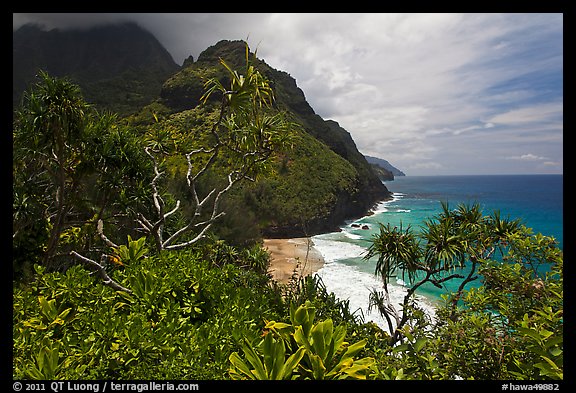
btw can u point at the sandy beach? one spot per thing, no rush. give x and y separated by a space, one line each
292 256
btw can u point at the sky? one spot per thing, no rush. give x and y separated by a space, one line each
433 93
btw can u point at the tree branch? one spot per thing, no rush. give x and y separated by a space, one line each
108 281
100 229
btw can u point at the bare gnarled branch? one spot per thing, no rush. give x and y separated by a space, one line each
99 268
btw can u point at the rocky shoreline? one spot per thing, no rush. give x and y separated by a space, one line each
344 211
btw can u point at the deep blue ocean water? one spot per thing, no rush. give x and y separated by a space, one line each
535 199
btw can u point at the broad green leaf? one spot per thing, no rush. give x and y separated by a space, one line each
253 358
338 337
545 333
35 323
240 365
34 373
549 368
279 358
318 368
354 349
555 352
277 325
47 307
321 335
301 338
272 354
401 348
57 321
40 357
292 362
419 344
359 369
53 356
343 364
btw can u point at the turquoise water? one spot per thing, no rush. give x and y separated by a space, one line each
535 199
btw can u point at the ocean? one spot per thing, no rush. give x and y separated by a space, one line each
535 199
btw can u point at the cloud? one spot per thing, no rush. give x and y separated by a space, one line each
527 157
535 113
442 81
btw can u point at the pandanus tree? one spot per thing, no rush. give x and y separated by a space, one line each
448 245
70 164
245 133
46 139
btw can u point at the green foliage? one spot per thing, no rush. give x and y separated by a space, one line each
397 250
444 246
251 131
303 188
184 313
546 344
232 142
194 308
131 253
317 351
311 289
214 304
510 327
300 184
500 334
274 364
70 164
48 132
311 183
416 361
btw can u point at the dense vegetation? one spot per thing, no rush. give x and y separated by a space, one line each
120 272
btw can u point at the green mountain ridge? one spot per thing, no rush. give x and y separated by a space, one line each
327 165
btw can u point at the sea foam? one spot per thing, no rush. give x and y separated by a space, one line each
348 282
382 207
333 250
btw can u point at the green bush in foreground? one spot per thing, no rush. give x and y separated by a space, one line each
182 315
317 351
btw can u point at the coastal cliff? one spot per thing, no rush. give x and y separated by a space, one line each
316 185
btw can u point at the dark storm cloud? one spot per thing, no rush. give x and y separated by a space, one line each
181 34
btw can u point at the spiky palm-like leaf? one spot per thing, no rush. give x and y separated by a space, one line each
397 250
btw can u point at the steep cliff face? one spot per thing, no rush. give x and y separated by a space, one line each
381 163
383 174
119 67
355 186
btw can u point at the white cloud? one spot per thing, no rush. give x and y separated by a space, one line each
527 157
426 165
536 113
418 79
